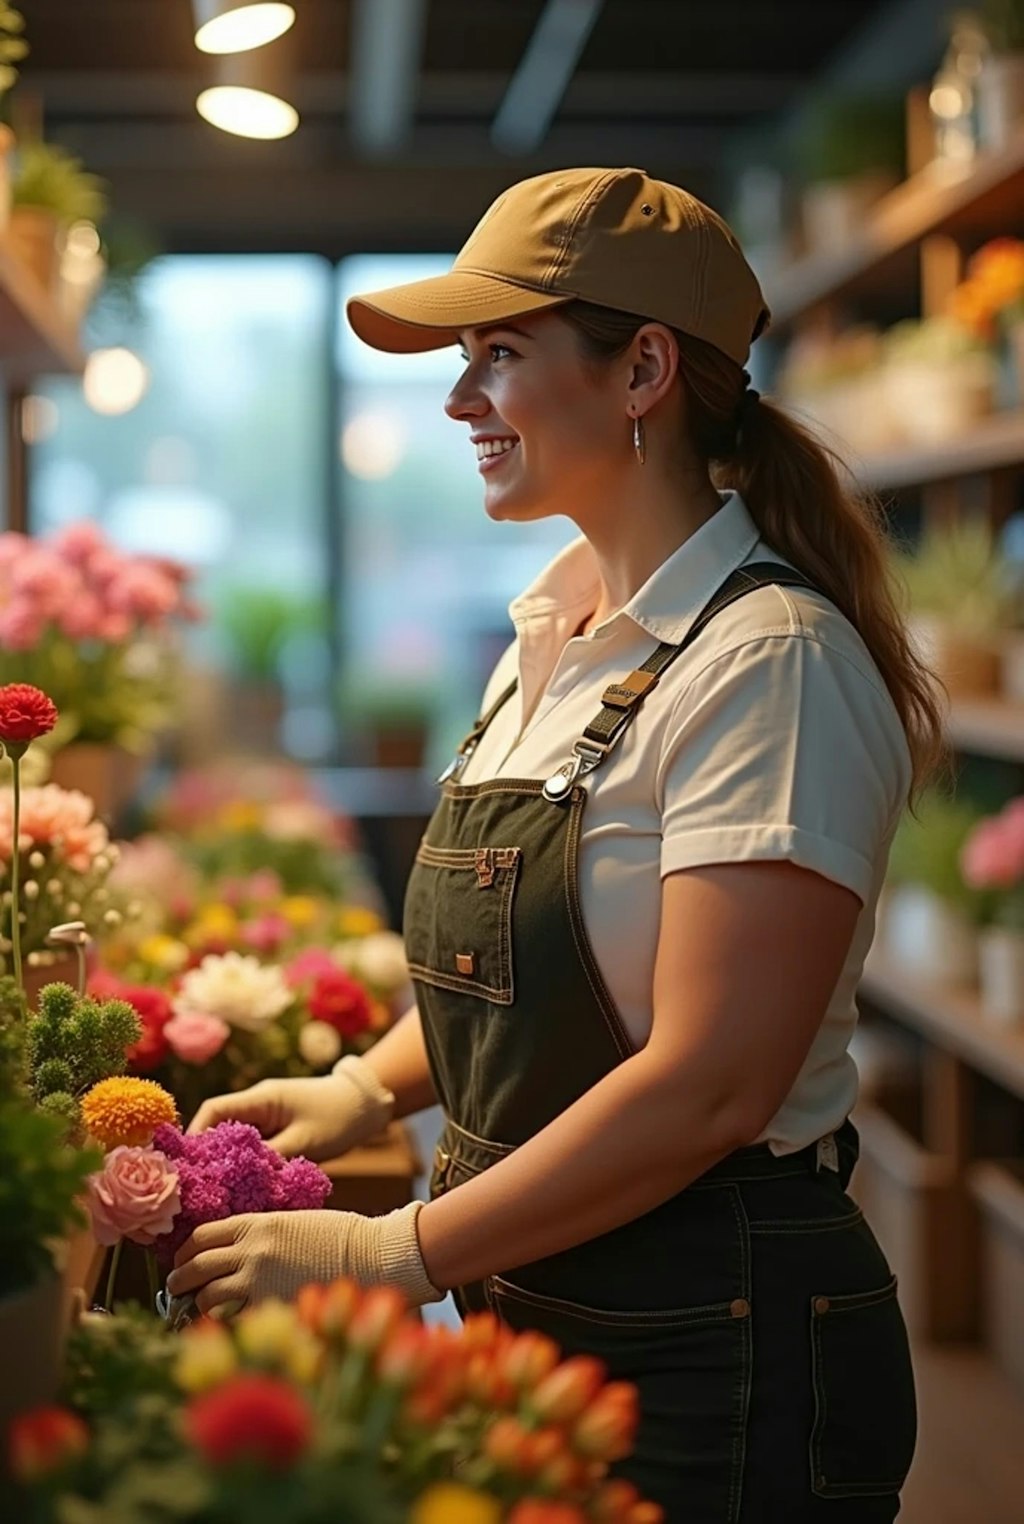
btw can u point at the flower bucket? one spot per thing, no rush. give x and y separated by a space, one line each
929 938
108 774
60 968
1000 93
1001 969
32 1340
967 666
36 238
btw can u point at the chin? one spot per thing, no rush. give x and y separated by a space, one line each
517 507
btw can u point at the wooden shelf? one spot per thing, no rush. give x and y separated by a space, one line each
950 1018
35 339
988 727
978 199
993 443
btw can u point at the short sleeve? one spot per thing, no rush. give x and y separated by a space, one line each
783 747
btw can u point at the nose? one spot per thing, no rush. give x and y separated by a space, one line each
465 400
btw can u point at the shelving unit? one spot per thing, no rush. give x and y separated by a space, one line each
994 444
988 728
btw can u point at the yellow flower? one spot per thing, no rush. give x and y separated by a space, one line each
163 952
213 922
240 815
451 1503
126 1110
265 1332
358 921
206 1357
300 909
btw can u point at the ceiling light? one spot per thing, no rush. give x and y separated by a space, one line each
234 26
247 113
115 381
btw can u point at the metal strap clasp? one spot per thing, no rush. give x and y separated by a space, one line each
586 756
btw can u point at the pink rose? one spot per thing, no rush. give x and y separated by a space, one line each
134 1196
196 1037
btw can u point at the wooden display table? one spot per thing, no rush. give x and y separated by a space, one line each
376 1178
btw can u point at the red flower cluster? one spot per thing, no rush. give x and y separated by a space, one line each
252 1417
44 1440
342 1002
154 1010
25 713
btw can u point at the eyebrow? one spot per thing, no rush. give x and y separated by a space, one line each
499 328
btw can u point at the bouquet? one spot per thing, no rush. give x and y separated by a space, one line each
93 627
992 864
339 1409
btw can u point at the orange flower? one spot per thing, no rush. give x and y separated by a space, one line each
44 1440
606 1430
562 1396
404 1356
528 1359
618 1502
504 1444
125 1110
328 1310
376 1318
546 1511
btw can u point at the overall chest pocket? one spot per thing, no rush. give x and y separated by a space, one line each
458 919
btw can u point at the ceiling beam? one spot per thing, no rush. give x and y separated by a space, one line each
387 46
539 83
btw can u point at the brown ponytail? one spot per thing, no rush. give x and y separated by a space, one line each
793 488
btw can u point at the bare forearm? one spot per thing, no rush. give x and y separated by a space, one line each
629 1144
399 1061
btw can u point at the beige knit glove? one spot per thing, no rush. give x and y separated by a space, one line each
242 1260
320 1118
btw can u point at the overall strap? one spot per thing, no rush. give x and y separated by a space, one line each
467 747
620 701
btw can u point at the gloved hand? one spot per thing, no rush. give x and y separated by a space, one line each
319 1117
242 1260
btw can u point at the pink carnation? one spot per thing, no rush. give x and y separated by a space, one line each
266 933
79 542
309 964
56 817
195 1037
135 1196
21 626
993 855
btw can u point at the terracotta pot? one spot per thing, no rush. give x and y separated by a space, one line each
108 774
968 667
62 970
32 1339
36 238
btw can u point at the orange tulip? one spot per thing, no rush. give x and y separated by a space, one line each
613 1501
646 1513
328 1310
563 1394
606 1430
546 1511
405 1355
376 1317
528 1359
505 1444
486 1383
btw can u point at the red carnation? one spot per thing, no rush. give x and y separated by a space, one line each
342 1002
153 1008
25 714
44 1440
252 1417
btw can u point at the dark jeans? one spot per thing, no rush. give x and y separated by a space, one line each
772 1361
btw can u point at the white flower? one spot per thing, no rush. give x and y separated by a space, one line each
319 1044
380 960
297 820
240 990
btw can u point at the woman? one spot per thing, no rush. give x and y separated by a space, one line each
638 916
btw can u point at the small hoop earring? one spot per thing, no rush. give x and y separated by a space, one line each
639 443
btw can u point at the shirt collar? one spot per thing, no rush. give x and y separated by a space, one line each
671 598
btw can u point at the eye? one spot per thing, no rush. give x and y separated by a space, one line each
497 351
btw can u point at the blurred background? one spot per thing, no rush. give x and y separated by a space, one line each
181 228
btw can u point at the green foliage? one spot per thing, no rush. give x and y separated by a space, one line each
1003 22
41 1177
843 136
111 1362
926 849
958 574
52 180
303 866
13 1054
74 1043
257 622
13 47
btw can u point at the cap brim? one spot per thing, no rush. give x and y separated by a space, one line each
430 314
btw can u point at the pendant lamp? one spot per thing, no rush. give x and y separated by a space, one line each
235 26
247 95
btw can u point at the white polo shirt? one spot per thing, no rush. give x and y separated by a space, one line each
771 736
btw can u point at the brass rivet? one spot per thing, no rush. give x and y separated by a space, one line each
740 1308
465 963
648 211
821 1304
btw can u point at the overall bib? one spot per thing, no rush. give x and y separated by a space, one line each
754 1310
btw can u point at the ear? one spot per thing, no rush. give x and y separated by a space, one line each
653 364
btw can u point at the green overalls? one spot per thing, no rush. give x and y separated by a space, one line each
754 1310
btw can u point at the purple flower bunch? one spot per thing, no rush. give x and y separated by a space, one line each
227 1171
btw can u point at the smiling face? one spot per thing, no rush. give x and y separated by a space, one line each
548 429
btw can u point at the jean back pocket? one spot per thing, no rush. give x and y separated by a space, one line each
865 1422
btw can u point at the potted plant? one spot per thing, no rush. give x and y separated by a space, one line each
51 191
1001 83
392 717
992 863
960 603
940 378
851 150
931 913
837 382
257 624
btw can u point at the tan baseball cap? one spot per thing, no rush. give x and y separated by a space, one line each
610 236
